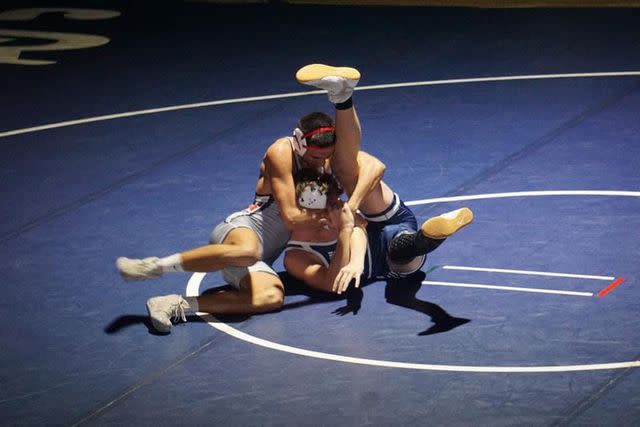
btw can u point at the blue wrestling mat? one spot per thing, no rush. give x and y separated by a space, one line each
131 130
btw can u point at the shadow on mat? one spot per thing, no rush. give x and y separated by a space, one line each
128 320
292 286
402 292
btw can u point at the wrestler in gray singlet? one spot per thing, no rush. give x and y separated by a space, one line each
263 217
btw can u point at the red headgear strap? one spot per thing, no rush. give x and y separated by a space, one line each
300 139
318 130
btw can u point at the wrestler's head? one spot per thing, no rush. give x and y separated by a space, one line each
314 139
315 190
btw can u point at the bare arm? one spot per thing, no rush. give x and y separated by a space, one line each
370 172
308 268
279 167
357 252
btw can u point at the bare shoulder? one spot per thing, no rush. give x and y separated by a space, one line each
279 154
280 147
363 155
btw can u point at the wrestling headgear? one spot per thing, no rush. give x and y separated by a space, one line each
313 195
300 139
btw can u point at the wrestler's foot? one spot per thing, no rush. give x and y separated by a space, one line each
164 309
443 226
339 82
406 246
139 269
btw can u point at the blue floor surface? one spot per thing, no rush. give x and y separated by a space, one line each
77 348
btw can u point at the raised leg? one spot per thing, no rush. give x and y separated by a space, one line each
405 247
240 248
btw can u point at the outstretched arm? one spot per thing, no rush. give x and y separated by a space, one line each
342 256
357 252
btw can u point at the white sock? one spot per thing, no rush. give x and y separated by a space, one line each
171 263
193 304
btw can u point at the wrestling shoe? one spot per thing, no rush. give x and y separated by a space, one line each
406 246
162 310
339 82
443 226
139 269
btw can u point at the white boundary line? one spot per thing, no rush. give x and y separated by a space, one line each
527 272
502 79
155 111
313 92
195 280
223 327
193 287
507 288
526 194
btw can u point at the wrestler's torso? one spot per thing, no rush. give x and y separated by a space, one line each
281 153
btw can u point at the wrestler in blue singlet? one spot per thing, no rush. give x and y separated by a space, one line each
382 228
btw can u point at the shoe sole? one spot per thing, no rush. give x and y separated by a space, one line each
159 327
443 226
315 72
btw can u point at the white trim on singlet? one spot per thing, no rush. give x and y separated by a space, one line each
387 213
308 247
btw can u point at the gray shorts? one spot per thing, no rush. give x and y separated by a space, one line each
263 217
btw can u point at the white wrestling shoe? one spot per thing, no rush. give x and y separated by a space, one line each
164 309
445 225
139 269
339 82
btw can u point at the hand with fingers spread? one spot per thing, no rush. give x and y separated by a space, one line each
346 275
341 215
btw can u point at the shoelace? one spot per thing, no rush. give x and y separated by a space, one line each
178 313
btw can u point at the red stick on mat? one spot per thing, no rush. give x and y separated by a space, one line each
611 287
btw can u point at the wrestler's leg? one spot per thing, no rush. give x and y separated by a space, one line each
405 246
339 82
257 292
240 247
344 161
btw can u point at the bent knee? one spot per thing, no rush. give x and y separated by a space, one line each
244 254
248 255
242 247
269 299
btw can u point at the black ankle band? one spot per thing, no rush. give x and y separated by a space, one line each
345 105
405 247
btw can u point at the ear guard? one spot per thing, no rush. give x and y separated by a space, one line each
313 196
300 139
